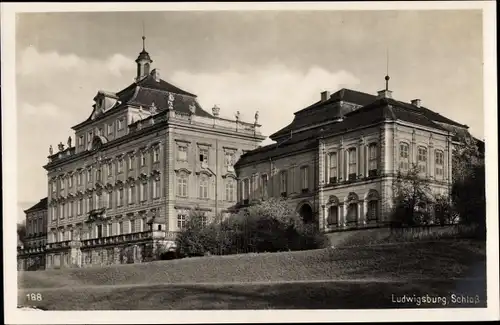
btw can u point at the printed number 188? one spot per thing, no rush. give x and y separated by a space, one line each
34 296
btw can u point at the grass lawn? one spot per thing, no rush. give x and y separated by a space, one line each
356 277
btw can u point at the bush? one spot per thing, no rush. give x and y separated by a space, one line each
269 226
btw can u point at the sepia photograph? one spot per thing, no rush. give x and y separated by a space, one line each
325 158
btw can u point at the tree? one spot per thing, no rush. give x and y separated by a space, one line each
412 195
21 232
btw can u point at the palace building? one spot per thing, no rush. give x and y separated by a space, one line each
337 160
31 249
145 157
149 154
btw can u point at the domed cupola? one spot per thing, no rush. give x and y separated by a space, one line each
143 61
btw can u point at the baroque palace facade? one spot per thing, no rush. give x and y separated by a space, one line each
149 154
146 156
337 160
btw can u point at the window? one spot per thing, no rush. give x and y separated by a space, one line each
89 138
372 213
404 161
142 192
182 153
144 224
132 226
156 154
422 159
61 211
230 190
108 200
80 140
352 213
120 197
181 220
71 234
54 186
99 131
204 220
156 188
89 175
80 206
439 161
246 191
264 185
98 201
90 203
131 195
333 217
352 164
131 160
120 166
143 159
110 169
182 186
120 228
304 178
228 159
62 184
333 168
110 128
120 124
204 155
70 209
98 175
70 181
283 183
99 231
203 188
79 179
372 159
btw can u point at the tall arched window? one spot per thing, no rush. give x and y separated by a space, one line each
439 164
230 190
333 216
422 159
333 168
404 156
203 187
352 164
372 159
182 185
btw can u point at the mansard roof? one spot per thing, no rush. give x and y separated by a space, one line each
382 109
329 110
42 205
147 91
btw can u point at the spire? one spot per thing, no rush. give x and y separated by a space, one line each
143 37
387 72
386 93
143 60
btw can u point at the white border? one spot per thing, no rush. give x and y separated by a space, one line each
9 144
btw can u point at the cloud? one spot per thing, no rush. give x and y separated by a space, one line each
44 110
276 91
35 63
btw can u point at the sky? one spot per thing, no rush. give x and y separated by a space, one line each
274 62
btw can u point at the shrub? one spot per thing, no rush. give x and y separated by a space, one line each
269 226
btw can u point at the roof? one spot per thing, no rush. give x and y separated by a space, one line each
329 110
378 111
146 91
42 205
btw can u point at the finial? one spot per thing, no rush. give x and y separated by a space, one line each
387 72
143 37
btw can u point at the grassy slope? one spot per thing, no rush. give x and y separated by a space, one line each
421 268
402 261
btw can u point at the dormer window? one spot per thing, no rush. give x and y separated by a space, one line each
120 124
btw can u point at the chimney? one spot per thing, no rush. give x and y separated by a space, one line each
385 94
215 110
325 95
416 102
156 74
